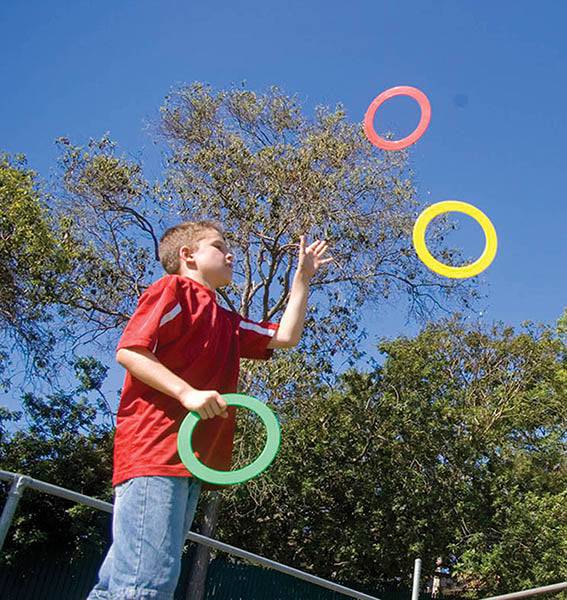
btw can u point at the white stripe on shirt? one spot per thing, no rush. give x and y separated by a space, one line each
168 317
257 328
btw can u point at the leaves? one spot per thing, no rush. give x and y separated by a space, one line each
449 448
454 446
66 444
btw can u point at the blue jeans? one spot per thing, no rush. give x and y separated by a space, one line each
151 520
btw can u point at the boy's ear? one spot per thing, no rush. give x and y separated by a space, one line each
185 253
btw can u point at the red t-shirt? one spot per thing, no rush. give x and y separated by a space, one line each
179 320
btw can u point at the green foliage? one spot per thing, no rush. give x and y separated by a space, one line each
29 261
66 444
455 448
270 173
526 544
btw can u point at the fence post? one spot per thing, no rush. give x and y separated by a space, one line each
416 576
14 495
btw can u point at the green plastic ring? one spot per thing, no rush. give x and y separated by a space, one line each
204 473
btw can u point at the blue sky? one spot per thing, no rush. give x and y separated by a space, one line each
495 75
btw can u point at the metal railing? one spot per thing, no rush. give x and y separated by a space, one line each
21 482
546 589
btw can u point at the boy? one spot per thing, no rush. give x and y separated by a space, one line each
181 351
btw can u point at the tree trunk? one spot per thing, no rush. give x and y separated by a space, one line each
198 578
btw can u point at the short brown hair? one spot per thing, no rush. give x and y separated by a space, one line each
188 233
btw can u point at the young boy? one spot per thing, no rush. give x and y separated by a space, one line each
181 351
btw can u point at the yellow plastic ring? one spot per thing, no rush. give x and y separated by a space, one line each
438 267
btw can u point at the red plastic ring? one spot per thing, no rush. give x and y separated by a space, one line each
401 90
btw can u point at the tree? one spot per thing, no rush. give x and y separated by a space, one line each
30 259
65 441
523 543
454 447
269 174
256 163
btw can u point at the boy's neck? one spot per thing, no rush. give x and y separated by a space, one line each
198 279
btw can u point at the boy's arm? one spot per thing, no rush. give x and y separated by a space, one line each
144 365
293 319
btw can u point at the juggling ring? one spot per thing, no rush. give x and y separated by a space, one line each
491 242
204 473
401 90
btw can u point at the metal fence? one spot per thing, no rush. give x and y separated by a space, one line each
21 482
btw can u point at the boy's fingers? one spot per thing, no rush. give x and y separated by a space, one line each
318 245
221 407
221 412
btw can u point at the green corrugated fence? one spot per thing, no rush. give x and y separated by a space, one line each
72 580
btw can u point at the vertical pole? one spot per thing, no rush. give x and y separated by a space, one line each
196 587
14 495
416 576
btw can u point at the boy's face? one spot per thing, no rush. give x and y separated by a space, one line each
212 259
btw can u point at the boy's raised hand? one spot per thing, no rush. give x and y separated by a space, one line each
310 258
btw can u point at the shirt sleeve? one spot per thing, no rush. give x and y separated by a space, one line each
155 319
254 337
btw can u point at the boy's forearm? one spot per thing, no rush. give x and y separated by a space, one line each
144 365
293 319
